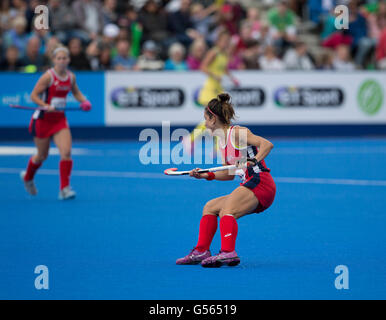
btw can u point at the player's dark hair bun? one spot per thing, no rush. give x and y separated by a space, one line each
221 107
224 97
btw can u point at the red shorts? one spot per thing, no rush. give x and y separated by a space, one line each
264 188
48 124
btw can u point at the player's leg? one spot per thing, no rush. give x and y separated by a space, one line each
207 230
240 202
63 141
34 163
43 147
208 223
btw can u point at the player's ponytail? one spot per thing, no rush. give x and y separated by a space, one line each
222 108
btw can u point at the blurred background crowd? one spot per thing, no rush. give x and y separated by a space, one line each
176 34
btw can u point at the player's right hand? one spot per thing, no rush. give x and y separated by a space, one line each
194 173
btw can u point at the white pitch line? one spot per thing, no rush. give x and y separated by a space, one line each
352 182
332 150
92 173
26 151
155 175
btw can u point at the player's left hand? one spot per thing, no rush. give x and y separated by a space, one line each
252 162
242 163
85 105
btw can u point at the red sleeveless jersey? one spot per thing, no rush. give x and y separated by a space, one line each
55 94
231 153
257 178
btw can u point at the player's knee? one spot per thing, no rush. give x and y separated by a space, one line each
40 157
65 154
227 212
209 208
206 209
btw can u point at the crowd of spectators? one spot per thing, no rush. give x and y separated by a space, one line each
176 34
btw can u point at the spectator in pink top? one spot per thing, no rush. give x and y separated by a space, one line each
380 51
253 17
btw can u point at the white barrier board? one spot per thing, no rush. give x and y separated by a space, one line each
148 98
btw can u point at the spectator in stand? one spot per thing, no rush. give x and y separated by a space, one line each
319 10
380 54
149 60
236 62
330 36
33 59
337 38
43 34
123 61
138 4
328 24
30 12
11 61
227 19
7 13
269 61
105 62
325 61
93 53
238 46
299 7
196 54
110 34
181 25
98 54
282 24
381 51
17 36
298 58
21 7
63 22
375 14
265 37
123 34
362 44
251 55
130 21
240 40
176 60
238 11
78 57
253 19
342 59
202 18
109 12
88 14
154 23
52 43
